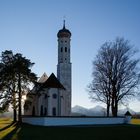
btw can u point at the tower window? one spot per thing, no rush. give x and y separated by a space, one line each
61 49
65 41
65 49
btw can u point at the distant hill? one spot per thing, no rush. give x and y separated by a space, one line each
97 111
82 111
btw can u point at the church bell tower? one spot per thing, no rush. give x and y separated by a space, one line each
64 69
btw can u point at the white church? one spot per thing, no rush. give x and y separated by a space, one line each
51 96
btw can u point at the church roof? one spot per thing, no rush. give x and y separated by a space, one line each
43 78
52 82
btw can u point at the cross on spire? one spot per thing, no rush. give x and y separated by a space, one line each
64 22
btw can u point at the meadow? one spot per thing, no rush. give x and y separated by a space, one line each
10 131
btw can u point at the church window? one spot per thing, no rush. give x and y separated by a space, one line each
54 96
61 49
45 111
65 49
41 110
65 41
54 111
33 111
45 96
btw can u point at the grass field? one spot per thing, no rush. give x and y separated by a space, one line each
135 121
10 131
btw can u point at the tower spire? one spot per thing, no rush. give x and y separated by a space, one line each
64 24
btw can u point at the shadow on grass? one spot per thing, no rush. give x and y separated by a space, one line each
112 132
6 127
13 134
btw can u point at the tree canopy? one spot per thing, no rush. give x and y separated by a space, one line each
15 79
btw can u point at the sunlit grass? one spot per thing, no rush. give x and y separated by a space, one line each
5 122
135 121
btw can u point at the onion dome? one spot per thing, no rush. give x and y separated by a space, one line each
64 32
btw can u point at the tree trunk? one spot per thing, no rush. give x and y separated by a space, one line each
14 108
116 108
19 99
112 107
14 115
108 105
114 104
107 111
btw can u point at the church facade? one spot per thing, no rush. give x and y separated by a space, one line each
51 96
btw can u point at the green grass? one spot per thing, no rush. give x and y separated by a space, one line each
30 132
6 126
4 122
135 121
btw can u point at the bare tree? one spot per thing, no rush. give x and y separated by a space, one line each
115 74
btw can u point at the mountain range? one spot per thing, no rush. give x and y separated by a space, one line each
97 111
82 111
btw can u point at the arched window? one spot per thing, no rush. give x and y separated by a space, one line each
54 111
54 96
45 96
45 111
41 110
33 111
65 49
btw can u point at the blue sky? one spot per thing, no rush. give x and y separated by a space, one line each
30 27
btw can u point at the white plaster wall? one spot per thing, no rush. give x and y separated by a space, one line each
34 120
62 121
52 102
81 121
